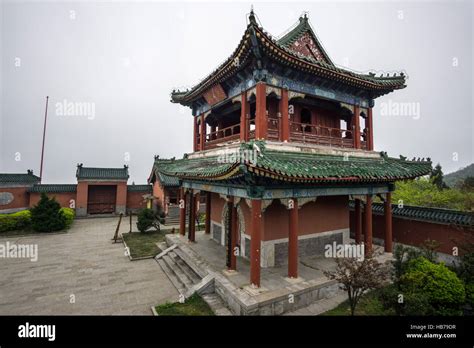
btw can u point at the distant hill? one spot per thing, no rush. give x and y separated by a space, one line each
453 178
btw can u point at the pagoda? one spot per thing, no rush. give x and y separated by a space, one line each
282 142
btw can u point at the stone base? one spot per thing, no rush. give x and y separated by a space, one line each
293 293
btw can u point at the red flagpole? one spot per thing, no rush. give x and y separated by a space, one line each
44 136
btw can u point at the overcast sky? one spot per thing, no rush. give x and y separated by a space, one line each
122 59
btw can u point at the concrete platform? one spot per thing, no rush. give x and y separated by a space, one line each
277 294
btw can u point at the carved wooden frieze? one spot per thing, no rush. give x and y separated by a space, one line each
270 89
214 95
293 95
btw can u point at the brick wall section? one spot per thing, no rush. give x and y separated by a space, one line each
20 197
413 232
326 214
135 201
63 198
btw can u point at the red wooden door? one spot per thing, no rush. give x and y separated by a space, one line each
101 199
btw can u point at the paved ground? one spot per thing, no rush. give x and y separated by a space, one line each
83 263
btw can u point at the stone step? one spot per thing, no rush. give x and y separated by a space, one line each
172 276
217 305
185 268
190 263
171 263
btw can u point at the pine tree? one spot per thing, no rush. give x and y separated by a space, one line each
47 216
437 177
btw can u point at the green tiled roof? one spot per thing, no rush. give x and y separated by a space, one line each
167 180
18 178
139 188
303 27
258 41
89 173
298 167
435 215
53 188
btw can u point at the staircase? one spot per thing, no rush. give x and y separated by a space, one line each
180 274
189 279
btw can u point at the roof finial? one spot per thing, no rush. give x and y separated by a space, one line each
252 16
304 17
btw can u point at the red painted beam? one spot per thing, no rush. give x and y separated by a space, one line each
285 121
368 225
358 222
208 213
261 124
182 212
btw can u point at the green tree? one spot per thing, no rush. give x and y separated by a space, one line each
357 277
148 218
47 215
423 192
437 177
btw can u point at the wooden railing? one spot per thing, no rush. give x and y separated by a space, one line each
222 135
307 133
299 132
273 129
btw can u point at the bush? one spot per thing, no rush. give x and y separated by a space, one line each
147 218
16 221
441 286
47 215
69 214
405 303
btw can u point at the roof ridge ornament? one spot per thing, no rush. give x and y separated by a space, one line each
252 18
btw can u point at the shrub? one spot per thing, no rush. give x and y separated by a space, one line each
405 303
147 218
69 214
442 288
15 221
47 215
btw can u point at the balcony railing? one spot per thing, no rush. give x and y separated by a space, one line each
222 135
299 132
307 133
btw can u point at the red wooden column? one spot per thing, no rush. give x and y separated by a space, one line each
195 135
285 120
368 225
388 222
255 242
356 124
370 130
293 241
202 139
261 124
244 109
182 212
208 213
233 234
192 216
358 222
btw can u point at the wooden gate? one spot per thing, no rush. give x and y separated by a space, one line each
101 199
